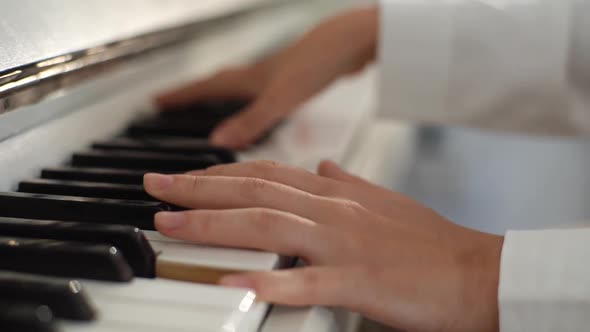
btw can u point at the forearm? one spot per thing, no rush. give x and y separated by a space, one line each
354 34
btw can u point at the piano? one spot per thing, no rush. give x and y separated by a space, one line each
77 131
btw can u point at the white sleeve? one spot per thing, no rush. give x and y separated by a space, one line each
545 281
518 65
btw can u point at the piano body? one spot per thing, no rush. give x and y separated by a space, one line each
75 73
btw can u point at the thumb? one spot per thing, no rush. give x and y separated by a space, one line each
330 169
297 287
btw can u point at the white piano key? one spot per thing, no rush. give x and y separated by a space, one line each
174 251
162 290
163 305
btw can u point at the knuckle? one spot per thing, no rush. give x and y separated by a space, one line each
253 188
310 282
267 165
195 183
352 207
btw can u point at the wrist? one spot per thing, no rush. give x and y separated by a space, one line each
481 270
491 280
370 19
365 31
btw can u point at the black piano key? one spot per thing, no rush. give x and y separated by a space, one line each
196 120
85 189
173 127
130 240
95 210
143 161
25 317
217 108
65 298
106 175
64 259
188 147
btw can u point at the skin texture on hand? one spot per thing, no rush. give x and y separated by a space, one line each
278 85
367 249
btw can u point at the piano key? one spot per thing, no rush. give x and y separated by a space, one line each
143 161
172 127
202 264
130 240
107 175
195 121
85 189
66 298
63 259
25 317
211 108
180 260
167 145
95 210
164 291
179 130
163 305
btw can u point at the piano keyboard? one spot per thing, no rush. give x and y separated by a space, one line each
139 305
83 124
78 120
145 303
80 221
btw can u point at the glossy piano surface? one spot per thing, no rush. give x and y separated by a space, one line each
43 30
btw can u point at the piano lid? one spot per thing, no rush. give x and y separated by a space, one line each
32 30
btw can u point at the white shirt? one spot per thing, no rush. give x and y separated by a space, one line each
510 65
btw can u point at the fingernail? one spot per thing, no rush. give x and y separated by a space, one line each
170 220
158 181
236 282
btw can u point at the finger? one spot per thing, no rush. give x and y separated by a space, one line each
373 196
212 192
333 182
290 88
323 286
244 128
330 169
261 229
280 173
226 84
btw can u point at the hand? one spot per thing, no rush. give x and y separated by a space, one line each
368 250
279 84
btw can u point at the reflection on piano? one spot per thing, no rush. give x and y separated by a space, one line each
77 247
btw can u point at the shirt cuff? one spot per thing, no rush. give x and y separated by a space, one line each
545 281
